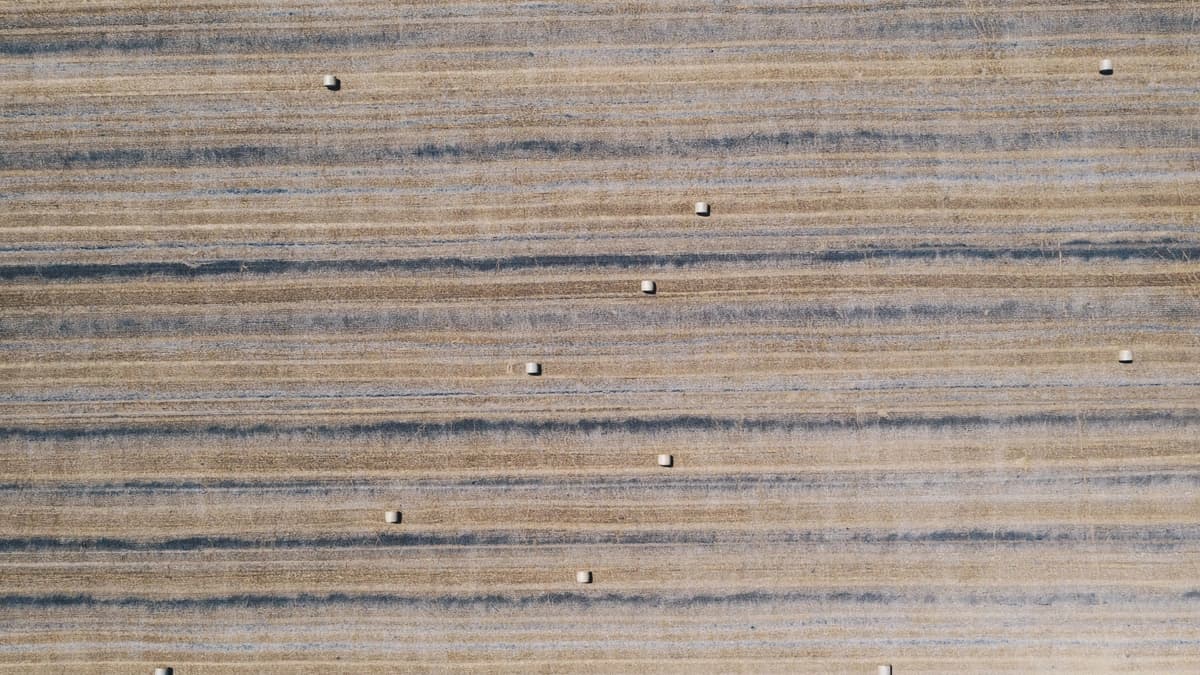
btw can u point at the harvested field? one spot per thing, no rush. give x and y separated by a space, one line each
242 316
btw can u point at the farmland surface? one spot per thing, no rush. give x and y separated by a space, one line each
243 315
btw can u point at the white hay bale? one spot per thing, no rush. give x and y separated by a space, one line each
583 576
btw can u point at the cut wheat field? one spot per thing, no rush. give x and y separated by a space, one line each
242 316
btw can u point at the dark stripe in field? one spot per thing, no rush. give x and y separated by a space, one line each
820 481
599 599
635 425
527 27
1086 251
1123 536
1162 135
1144 314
